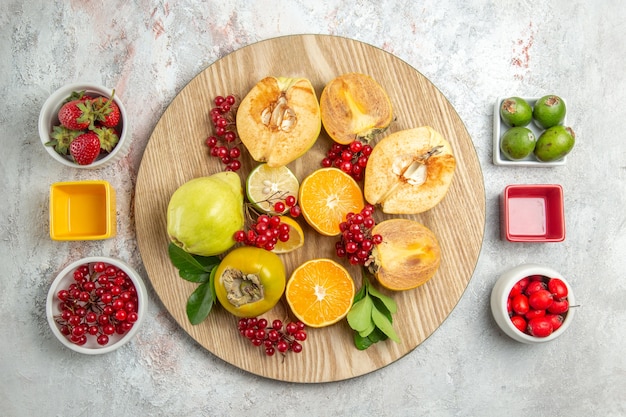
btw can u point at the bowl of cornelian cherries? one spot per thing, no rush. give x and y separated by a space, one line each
532 303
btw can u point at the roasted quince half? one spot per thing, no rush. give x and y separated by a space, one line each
279 120
409 171
408 256
354 107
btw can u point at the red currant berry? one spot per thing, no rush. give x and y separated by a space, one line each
296 347
279 207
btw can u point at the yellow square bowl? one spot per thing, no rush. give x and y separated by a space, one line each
82 210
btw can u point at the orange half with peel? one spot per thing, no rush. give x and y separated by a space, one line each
320 292
326 196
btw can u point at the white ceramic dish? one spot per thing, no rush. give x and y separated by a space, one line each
499 128
500 294
66 277
48 118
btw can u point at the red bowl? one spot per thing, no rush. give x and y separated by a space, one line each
533 213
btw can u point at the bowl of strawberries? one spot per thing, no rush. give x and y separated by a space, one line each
84 125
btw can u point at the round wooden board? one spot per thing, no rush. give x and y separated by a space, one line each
176 153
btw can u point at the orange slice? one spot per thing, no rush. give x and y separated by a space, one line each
296 237
326 196
320 292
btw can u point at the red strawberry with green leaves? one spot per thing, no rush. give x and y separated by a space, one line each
108 138
78 95
61 137
85 148
106 111
76 114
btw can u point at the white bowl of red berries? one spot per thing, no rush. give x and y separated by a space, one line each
532 303
96 304
84 126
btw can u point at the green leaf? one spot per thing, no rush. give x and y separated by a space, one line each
385 326
194 276
185 261
366 332
380 306
360 294
388 301
212 283
200 302
207 262
360 315
361 342
377 336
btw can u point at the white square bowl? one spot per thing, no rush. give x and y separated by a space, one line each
499 128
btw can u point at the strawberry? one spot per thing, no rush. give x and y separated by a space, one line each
76 114
78 95
85 148
61 137
106 111
108 137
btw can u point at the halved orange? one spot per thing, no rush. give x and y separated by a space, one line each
320 292
326 196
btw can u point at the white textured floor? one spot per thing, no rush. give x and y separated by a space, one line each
473 51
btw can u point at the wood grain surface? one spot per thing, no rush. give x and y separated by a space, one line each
176 153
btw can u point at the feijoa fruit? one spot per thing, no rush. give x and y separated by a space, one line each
554 143
549 111
515 111
517 143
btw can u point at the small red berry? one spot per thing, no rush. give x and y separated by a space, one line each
519 322
559 307
558 288
534 286
540 300
520 304
540 327
556 320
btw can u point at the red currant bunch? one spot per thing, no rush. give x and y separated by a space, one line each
224 143
356 240
102 301
273 336
351 159
289 203
265 232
